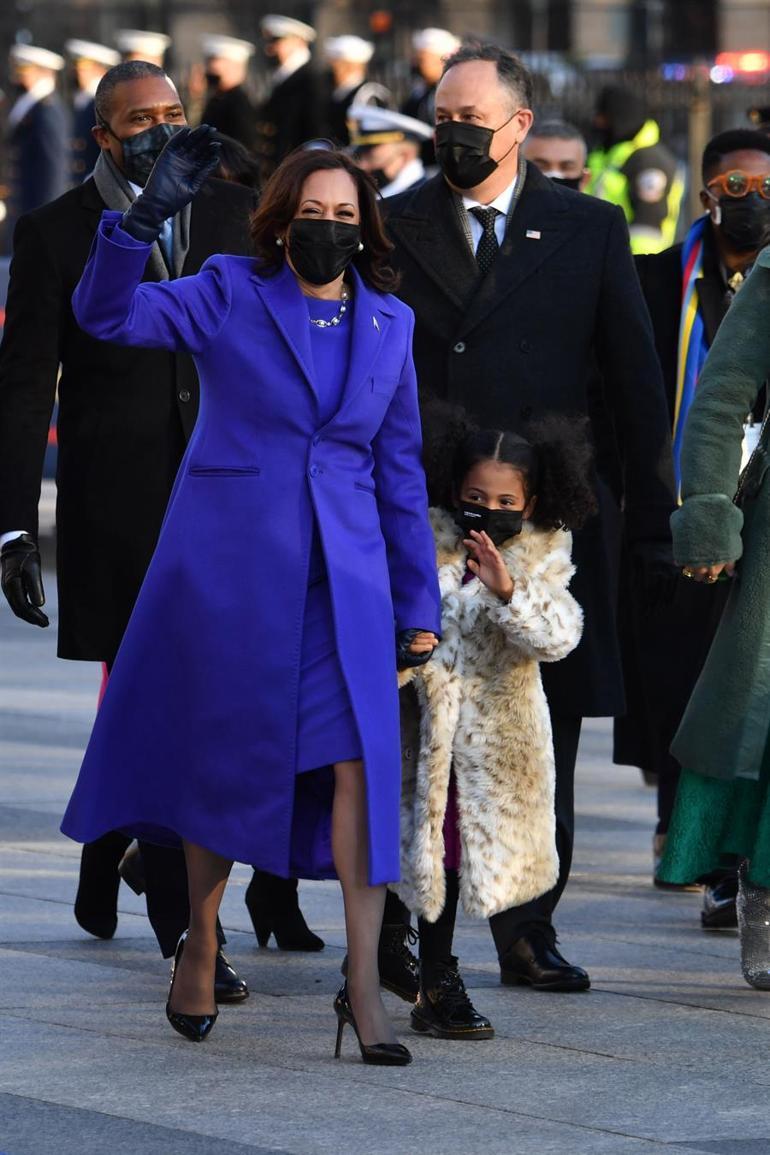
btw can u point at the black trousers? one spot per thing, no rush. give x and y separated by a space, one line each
507 926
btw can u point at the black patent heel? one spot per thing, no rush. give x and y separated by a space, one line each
378 1054
195 1028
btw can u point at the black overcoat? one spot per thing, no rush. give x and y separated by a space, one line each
561 299
665 645
124 414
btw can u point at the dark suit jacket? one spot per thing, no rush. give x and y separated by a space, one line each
561 299
37 157
292 114
233 114
124 414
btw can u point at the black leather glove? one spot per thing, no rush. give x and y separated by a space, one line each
405 660
22 580
189 157
654 574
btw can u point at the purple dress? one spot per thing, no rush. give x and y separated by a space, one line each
326 727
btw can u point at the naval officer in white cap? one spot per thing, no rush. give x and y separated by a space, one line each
36 133
348 57
430 48
387 144
294 110
138 44
89 61
228 107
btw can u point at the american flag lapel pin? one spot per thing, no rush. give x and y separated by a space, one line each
533 234
374 322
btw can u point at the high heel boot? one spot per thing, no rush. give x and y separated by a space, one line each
273 906
96 902
378 1054
193 1027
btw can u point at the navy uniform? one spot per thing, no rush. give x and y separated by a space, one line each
430 48
90 62
229 107
294 109
348 57
36 135
387 145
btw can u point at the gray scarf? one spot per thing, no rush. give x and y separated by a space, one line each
117 194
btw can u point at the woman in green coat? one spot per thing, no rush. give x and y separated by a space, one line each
723 804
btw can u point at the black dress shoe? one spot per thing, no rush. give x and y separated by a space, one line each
399 969
96 902
443 1008
719 912
534 959
273 907
229 987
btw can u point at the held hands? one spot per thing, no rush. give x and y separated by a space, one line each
487 564
414 648
189 157
22 580
710 573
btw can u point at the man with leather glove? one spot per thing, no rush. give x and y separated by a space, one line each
125 416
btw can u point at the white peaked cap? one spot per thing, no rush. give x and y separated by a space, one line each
438 40
227 48
136 40
351 48
40 57
370 125
87 50
282 26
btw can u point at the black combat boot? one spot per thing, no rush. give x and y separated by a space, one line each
443 1008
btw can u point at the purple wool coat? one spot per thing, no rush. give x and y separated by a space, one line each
196 737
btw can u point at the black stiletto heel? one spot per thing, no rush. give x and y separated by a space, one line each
379 1054
193 1027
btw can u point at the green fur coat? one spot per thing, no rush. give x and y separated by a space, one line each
725 727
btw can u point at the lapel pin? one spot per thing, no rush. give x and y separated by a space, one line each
374 322
533 234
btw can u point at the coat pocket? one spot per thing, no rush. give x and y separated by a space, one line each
224 470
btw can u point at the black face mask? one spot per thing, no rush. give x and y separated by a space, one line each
462 152
212 79
572 182
321 250
380 177
745 222
500 524
142 150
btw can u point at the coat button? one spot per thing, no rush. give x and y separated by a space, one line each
313 471
525 346
459 347
184 394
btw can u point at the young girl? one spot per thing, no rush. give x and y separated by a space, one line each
477 811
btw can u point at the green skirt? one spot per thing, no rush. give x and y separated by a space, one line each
716 820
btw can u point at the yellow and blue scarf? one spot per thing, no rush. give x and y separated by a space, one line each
693 342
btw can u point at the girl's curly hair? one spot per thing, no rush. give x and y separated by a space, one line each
554 457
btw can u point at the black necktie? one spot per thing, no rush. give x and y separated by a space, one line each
486 250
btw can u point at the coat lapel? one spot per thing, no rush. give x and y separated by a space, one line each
430 231
286 305
371 320
544 218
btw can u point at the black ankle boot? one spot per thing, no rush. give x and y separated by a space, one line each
443 1008
399 969
273 906
96 902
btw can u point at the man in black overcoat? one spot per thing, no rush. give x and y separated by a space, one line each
664 650
515 309
125 415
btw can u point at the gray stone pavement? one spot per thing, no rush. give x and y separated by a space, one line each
665 1054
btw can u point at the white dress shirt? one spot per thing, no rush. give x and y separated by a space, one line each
413 171
502 203
290 66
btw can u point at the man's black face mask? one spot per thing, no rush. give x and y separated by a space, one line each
462 152
141 150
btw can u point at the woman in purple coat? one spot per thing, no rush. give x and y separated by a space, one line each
252 712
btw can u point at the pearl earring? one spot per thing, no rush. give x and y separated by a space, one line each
360 246
279 241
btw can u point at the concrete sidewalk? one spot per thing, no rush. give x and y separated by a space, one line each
665 1054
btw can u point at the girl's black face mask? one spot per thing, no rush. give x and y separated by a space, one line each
321 250
462 151
499 524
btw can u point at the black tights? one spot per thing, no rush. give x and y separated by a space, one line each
436 937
